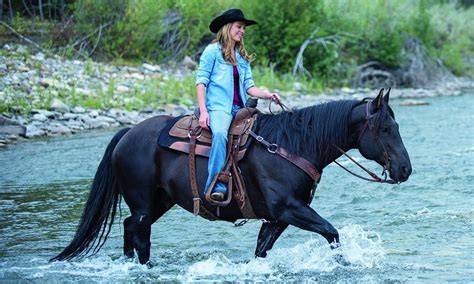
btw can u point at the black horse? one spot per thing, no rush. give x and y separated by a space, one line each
153 179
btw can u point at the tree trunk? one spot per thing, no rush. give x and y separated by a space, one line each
10 8
40 7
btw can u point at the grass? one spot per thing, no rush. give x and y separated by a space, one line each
152 92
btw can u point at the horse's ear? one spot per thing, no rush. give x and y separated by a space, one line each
377 102
387 95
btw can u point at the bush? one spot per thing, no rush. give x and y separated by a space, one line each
453 40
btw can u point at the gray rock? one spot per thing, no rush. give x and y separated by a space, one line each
169 108
78 109
7 121
93 113
122 89
33 131
68 116
19 130
11 127
180 110
189 63
124 120
105 119
39 56
39 117
57 105
152 68
94 123
59 129
49 82
114 113
74 124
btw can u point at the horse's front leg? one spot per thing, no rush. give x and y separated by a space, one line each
269 233
297 213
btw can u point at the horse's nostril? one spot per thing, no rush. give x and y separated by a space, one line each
405 171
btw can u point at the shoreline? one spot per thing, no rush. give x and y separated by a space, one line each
63 87
43 123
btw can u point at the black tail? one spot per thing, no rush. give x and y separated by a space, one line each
100 209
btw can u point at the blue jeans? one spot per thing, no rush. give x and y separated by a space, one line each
220 122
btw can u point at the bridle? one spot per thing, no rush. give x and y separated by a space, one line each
311 170
375 178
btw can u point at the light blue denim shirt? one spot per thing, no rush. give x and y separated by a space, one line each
217 75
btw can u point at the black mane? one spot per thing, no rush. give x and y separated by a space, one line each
308 131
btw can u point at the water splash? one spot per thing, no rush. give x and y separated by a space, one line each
362 249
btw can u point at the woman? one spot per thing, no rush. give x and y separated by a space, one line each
223 79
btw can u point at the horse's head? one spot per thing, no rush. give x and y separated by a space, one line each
378 139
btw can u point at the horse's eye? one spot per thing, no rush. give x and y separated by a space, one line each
386 129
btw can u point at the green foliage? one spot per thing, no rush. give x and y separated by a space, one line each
360 31
453 36
268 78
346 34
91 15
282 28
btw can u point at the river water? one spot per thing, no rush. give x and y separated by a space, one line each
419 231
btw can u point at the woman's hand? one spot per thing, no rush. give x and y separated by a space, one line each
261 94
204 120
275 97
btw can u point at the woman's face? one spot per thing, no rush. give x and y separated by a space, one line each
237 31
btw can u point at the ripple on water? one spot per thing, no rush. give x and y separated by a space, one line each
419 231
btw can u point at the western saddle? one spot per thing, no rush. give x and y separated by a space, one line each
200 144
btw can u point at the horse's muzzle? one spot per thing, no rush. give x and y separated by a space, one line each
400 173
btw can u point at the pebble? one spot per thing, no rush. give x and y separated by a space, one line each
58 105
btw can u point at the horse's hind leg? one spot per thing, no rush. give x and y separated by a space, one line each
138 226
269 233
128 237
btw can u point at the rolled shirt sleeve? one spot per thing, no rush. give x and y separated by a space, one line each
206 64
248 80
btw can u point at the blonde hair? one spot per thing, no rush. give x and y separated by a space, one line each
223 37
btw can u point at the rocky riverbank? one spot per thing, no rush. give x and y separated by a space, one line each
51 90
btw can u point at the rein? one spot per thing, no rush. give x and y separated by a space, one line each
375 178
284 107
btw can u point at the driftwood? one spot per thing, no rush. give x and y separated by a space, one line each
80 45
22 37
324 41
174 40
373 74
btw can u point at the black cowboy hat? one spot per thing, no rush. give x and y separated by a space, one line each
229 16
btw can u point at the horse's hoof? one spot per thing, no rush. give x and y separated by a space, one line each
149 265
130 254
339 258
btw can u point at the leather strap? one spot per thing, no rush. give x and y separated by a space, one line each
241 194
298 161
200 150
301 163
192 175
198 208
